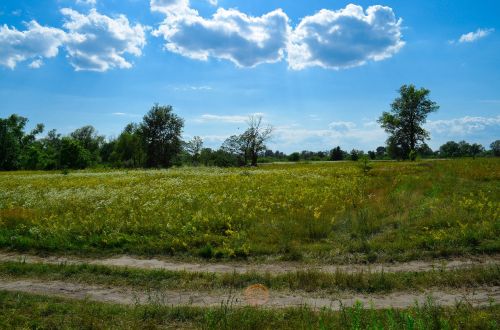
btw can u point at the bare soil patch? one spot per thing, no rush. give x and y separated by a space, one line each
272 268
477 297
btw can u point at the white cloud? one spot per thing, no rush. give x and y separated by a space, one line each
331 39
189 88
124 114
36 64
100 43
34 43
230 34
346 134
171 7
345 38
342 126
474 36
87 2
462 126
213 2
234 119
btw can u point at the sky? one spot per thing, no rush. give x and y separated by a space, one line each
319 71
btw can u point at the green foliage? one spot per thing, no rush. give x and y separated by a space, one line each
365 165
495 148
404 123
294 157
337 154
161 130
129 148
73 154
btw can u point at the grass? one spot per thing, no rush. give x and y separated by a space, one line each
21 311
329 212
310 281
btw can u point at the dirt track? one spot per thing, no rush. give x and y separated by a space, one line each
477 297
273 268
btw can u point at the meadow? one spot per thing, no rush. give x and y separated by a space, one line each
59 233
325 212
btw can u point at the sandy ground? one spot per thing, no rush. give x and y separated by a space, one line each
477 297
273 268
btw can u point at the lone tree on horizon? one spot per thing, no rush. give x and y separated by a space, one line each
404 122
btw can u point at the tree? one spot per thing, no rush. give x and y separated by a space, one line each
337 154
404 122
194 148
464 149
161 130
247 146
449 150
495 148
15 144
294 157
475 149
255 138
356 154
90 140
238 147
425 151
381 152
73 154
129 148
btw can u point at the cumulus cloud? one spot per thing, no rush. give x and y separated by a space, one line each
99 42
93 42
462 126
32 44
345 38
331 39
230 34
475 36
234 119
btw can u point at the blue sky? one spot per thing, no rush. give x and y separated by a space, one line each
321 72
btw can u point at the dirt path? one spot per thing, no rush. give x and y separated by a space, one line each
477 297
273 268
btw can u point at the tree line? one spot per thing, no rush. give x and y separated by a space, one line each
156 142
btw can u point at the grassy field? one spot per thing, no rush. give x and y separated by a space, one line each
315 214
328 212
38 312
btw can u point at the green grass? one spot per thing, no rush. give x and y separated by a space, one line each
24 311
363 282
328 212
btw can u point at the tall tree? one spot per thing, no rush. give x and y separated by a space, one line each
162 129
255 137
404 122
